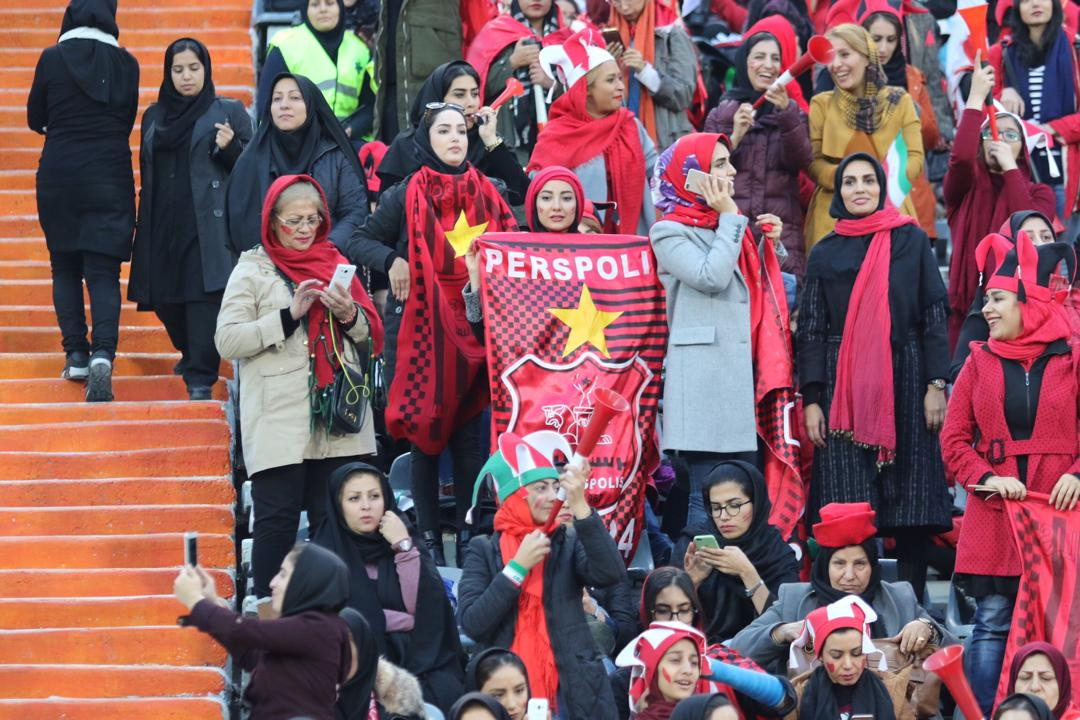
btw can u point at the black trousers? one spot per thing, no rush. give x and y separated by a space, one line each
191 328
466 451
278 496
102 276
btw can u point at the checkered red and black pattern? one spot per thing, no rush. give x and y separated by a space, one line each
527 370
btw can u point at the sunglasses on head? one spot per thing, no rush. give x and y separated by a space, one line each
434 108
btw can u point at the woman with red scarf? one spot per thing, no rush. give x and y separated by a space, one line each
419 235
285 323
725 309
873 363
521 589
591 132
1011 429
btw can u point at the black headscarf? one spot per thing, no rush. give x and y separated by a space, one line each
472 680
355 696
107 74
179 113
273 153
742 90
896 67
837 209
425 153
819 575
319 581
822 698
433 642
1019 217
469 700
400 160
699 707
331 39
1034 705
723 597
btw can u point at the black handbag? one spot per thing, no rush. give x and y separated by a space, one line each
352 386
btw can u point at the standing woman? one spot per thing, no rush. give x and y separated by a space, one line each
873 382
591 132
298 135
722 292
84 100
771 145
863 114
180 263
1011 428
419 235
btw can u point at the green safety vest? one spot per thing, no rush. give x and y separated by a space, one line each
340 85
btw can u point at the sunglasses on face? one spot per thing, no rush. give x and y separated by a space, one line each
1006 135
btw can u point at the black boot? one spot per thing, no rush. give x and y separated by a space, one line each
461 548
434 545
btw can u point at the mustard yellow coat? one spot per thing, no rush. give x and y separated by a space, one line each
832 139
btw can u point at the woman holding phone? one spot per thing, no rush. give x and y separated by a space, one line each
721 290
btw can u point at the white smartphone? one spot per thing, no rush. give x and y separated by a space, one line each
538 709
694 181
343 276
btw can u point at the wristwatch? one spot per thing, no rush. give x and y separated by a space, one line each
402 546
938 383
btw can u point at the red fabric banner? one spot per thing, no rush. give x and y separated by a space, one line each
1048 541
566 314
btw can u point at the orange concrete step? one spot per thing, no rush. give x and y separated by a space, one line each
108 681
45 33
23 178
116 520
113 435
22 226
45 316
19 158
14 366
24 269
23 248
111 646
110 551
47 339
17 202
57 6
161 708
117 491
160 462
100 582
31 613
125 389
230 74
147 55
36 413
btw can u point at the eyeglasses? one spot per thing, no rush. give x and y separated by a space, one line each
732 509
663 613
295 223
1006 135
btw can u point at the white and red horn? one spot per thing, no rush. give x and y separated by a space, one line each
819 50
948 664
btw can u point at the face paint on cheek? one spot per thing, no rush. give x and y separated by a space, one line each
666 675
831 667
287 230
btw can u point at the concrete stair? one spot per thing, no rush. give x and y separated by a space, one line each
94 499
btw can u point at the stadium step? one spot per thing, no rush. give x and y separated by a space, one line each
110 681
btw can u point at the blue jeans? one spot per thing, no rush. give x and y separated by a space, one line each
986 647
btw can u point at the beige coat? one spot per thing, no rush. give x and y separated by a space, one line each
275 414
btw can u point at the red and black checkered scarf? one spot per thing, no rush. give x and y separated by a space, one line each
441 375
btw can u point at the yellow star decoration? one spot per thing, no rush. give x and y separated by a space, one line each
586 324
463 234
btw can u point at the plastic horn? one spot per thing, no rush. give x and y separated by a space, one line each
541 107
948 664
514 88
608 404
819 50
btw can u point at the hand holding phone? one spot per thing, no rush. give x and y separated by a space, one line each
191 549
706 541
538 709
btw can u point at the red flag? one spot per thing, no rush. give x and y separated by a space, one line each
565 315
1048 541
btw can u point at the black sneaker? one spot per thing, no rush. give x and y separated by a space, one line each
178 368
199 393
99 384
77 366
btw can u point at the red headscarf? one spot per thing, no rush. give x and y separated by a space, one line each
318 262
780 28
542 178
1057 661
865 362
680 205
573 137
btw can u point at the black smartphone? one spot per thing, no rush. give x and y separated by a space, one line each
191 548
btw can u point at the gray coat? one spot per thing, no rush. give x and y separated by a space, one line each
676 62
210 168
895 605
709 381
593 176
582 556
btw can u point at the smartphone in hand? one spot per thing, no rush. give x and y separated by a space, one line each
343 276
191 548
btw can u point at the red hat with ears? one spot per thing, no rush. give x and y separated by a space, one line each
1018 270
848 613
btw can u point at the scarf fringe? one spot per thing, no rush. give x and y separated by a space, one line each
849 435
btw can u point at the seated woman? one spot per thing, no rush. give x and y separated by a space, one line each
846 564
592 133
325 49
309 590
1010 429
457 82
373 684
1040 669
1022 706
669 595
298 135
502 675
842 685
737 576
284 323
388 574
770 145
522 590
705 707
477 706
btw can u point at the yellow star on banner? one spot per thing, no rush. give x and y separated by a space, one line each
586 324
463 234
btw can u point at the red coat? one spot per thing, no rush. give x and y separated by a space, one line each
975 441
